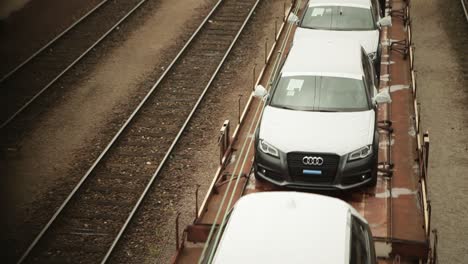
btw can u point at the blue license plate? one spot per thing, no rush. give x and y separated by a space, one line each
312 172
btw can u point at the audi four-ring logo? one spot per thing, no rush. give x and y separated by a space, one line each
309 160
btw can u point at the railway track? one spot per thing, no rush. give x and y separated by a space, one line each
91 221
465 8
21 86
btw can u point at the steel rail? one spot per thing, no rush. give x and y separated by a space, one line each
19 66
465 8
179 134
121 130
21 109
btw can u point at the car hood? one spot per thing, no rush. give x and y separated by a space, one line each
325 132
368 39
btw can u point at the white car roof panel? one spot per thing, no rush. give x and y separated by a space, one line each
332 57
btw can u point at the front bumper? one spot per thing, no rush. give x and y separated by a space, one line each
348 175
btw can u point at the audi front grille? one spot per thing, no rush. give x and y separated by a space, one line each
328 169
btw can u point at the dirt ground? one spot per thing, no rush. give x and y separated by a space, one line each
35 24
441 60
90 104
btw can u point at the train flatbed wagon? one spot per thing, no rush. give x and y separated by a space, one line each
397 208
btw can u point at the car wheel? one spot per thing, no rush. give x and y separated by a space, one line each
373 181
257 178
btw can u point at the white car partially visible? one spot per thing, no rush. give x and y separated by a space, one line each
359 20
292 227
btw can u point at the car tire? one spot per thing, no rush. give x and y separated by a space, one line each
375 169
257 177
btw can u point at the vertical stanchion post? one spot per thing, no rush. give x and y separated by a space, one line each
228 137
221 146
196 203
426 151
223 140
239 103
429 211
284 11
434 246
177 231
276 29
253 77
397 259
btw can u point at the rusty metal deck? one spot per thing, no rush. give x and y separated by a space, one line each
396 208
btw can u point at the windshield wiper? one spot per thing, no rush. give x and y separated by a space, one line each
326 111
283 107
322 28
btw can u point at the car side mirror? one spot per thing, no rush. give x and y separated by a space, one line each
261 92
293 19
385 21
382 97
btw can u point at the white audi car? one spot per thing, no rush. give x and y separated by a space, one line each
359 20
292 227
318 129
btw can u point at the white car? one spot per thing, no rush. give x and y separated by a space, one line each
292 227
318 129
359 20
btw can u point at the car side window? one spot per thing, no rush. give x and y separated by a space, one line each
372 71
360 249
274 85
367 75
376 9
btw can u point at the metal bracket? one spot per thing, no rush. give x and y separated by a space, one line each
386 168
402 13
385 125
400 46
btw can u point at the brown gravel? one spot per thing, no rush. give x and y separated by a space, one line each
151 238
31 27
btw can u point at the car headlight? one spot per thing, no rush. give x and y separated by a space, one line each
267 148
360 153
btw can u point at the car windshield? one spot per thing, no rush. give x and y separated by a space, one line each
320 93
338 18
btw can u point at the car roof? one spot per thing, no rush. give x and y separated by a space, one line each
336 57
286 227
357 3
